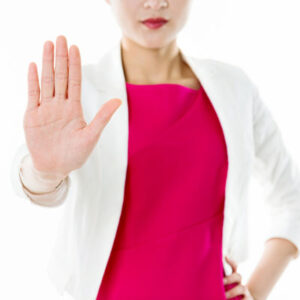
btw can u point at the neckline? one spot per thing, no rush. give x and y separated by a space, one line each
165 84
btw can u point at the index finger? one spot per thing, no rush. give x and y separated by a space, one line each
232 264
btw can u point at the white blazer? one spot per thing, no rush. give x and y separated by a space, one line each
94 200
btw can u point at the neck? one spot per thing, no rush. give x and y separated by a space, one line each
151 65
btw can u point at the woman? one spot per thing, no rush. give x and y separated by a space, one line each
169 239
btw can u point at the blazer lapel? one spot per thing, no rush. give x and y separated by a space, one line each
221 97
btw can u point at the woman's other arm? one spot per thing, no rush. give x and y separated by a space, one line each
278 172
277 254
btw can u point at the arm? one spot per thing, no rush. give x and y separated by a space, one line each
267 272
278 172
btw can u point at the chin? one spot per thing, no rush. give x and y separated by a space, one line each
147 41
154 43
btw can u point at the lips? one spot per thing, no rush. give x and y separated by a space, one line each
155 20
154 23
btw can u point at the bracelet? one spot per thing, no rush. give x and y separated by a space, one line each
38 193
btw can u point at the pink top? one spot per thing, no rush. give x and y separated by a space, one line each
169 240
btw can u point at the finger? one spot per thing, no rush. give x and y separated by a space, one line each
232 263
74 84
234 277
47 83
61 68
94 129
33 87
238 290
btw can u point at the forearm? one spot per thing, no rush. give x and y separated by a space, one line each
278 252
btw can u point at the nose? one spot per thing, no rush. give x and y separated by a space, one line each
155 4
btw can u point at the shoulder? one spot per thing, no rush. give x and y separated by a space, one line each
233 74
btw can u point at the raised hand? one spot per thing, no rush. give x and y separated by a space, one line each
58 138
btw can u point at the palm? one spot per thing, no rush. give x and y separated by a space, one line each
57 126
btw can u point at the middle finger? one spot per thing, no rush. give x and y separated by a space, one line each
61 68
47 84
234 277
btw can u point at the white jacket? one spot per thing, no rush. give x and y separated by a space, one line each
93 202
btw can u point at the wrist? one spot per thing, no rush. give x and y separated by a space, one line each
37 181
252 292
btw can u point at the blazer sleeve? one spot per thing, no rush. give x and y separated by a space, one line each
276 169
49 199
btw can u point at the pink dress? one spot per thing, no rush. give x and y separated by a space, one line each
169 239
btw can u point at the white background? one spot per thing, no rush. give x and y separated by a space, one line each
261 36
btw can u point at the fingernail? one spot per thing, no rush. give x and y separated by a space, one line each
225 280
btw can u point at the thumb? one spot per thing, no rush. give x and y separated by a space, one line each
232 263
102 117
